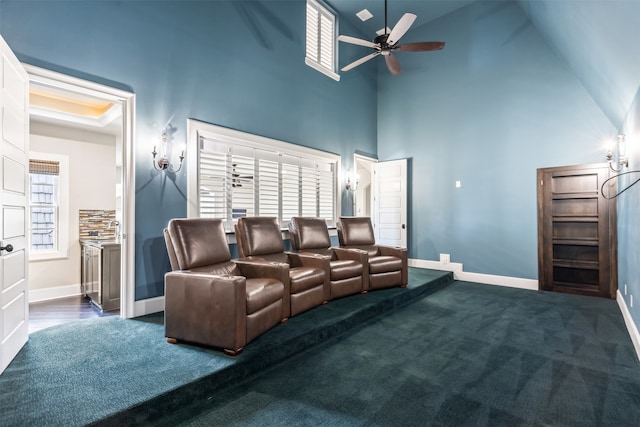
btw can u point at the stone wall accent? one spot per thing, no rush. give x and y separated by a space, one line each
94 224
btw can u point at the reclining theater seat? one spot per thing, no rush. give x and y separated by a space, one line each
208 301
387 264
259 238
346 277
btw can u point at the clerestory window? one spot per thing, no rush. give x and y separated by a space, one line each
321 39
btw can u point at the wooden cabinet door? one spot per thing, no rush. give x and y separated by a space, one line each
577 231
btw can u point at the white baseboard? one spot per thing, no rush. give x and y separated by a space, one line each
148 306
489 279
45 294
631 325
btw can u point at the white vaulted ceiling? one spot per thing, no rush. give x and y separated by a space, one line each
598 39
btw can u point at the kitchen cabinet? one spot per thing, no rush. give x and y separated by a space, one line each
101 273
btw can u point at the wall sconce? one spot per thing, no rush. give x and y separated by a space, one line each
348 185
623 159
162 163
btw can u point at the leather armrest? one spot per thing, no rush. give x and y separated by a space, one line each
193 298
308 259
257 268
401 253
260 268
392 251
352 254
323 262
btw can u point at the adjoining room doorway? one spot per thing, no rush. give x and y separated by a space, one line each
363 196
64 109
381 194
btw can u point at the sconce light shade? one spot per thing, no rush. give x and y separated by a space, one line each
348 183
623 159
162 164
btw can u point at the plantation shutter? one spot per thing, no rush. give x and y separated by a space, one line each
326 41
213 182
237 180
242 185
321 42
326 190
312 32
309 187
290 185
268 183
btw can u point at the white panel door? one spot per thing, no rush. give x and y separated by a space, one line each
14 167
390 203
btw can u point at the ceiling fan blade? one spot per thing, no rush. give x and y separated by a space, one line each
401 27
354 40
420 47
392 64
362 60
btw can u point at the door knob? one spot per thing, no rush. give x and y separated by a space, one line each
7 248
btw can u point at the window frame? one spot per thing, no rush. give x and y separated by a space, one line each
322 10
198 130
62 225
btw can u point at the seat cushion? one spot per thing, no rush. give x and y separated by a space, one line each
383 264
304 278
344 269
262 292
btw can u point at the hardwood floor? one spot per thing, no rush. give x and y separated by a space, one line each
44 314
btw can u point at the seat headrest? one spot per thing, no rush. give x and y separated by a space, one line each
198 242
258 235
355 230
309 233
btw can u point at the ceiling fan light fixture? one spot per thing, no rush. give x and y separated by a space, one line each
387 41
364 15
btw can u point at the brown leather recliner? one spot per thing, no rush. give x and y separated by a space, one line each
346 273
212 300
260 238
388 265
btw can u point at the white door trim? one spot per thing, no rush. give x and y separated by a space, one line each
365 176
127 101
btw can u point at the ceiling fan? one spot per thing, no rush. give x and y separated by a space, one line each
386 43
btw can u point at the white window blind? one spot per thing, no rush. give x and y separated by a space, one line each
321 39
268 185
43 204
237 180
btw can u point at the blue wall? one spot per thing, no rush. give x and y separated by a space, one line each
496 104
238 64
629 216
493 106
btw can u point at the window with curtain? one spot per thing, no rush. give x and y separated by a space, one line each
321 39
44 204
240 174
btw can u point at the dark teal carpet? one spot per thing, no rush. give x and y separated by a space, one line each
468 354
112 371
